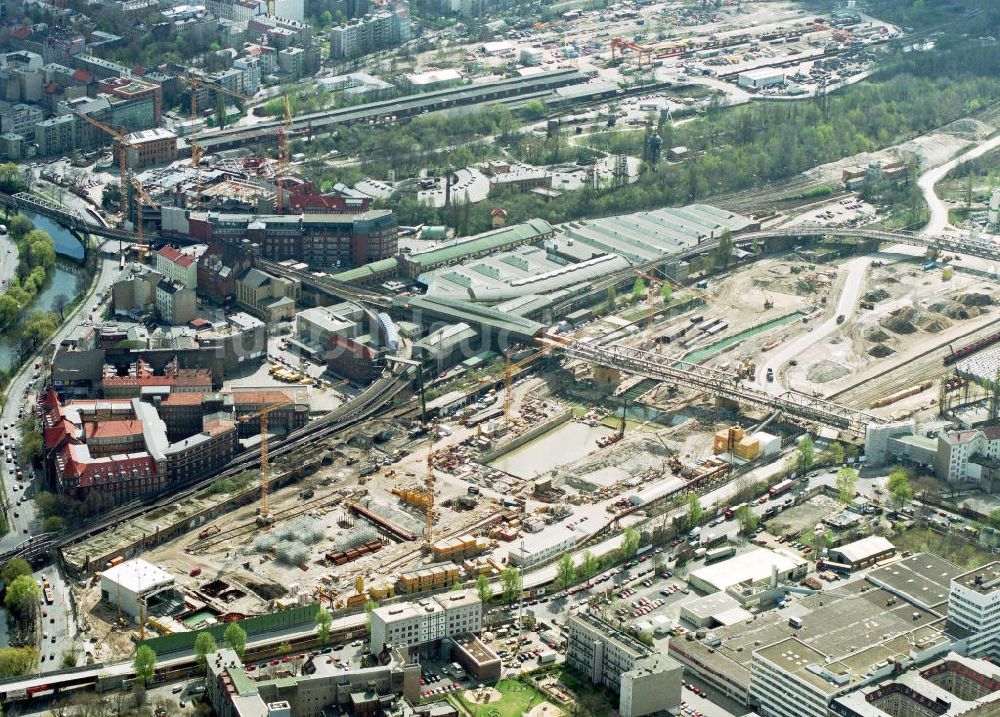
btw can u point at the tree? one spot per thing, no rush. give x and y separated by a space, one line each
694 512
899 486
724 252
510 579
53 524
484 589
235 638
17 661
31 447
204 645
59 304
565 571
14 569
630 542
323 621
748 521
847 478
22 596
834 453
667 292
220 110
18 227
994 518
456 586
589 564
144 664
638 289
806 455
612 298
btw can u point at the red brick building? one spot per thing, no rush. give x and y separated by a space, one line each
140 376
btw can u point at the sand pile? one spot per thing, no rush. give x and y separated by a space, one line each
936 325
898 324
880 351
826 371
953 310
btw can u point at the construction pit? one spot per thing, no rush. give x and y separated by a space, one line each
561 471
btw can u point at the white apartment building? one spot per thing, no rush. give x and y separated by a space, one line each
970 455
180 266
974 604
425 621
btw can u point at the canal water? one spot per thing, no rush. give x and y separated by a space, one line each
564 444
67 277
707 352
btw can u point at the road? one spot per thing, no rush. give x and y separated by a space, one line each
854 282
938 222
8 259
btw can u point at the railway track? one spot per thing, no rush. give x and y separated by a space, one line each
367 404
926 365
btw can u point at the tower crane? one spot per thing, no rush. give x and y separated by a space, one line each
429 483
141 197
508 375
649 299
284 130
197 152
264 518
124 145
270 7
196 84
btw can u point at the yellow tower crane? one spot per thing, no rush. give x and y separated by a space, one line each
141 197
508 375
264 518
429 483
123 146
270 7
284 131
195 84
197 152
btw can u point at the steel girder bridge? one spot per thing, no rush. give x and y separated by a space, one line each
724 385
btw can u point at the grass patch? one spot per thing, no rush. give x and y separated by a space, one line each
964 554
518 699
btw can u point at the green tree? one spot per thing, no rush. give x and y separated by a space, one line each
899 486
484 589
510 580
235 638
805 457
31 447
323 622
847 478
14 569
533 110
694 511
22 596
220 110
17 661
455 586
565 571
638 289
204 645
144 664
724 252
630 542
18 227
667 292
612 298
747 520
53 524
994 518
834 453
589 564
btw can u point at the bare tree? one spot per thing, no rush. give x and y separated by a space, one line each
59 304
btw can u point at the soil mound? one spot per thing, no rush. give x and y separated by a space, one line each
935 325
880 351
974 299
898 325
875 333
953 310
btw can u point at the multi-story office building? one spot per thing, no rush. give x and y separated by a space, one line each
645 680
426 621
974 605
19 118
129 88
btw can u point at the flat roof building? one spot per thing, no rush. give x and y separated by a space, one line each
864 552
139 589
426 621
974 605
645 680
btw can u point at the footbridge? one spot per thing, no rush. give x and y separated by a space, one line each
723 385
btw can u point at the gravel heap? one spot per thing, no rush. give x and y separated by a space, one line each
826 370
875 333
974 299
953 310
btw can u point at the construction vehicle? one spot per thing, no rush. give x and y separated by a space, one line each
264 517
768 302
